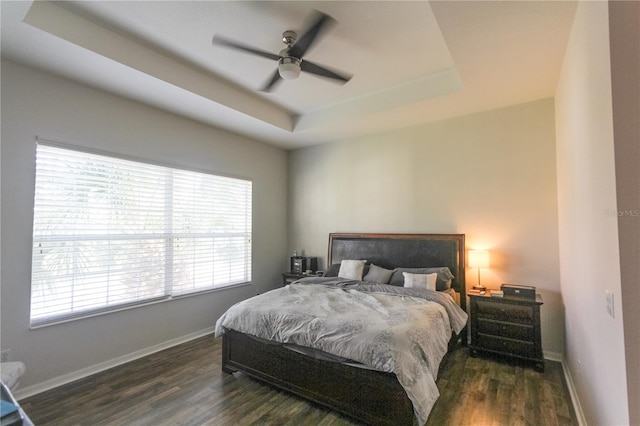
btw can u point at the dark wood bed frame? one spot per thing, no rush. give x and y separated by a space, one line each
372 397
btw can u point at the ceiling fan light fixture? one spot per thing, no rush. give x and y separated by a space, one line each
289 68
289 60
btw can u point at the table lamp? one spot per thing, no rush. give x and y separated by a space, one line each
478 259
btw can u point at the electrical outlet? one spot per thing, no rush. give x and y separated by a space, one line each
4 355
610 306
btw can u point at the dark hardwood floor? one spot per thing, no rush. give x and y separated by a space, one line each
184 385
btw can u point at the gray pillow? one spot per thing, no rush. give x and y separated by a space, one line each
332 271
444 276
378 274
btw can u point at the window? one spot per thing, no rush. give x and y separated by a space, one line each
110 232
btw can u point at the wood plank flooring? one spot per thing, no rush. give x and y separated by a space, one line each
184 385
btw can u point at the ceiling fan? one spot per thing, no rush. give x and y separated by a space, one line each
290 61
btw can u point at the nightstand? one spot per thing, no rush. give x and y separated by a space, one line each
507 326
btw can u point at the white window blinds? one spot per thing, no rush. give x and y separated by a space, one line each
110 232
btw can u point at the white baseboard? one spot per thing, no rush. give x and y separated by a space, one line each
575 401
97 368
553 356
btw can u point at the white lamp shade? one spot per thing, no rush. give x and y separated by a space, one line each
478 259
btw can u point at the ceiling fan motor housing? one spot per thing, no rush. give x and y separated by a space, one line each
289 37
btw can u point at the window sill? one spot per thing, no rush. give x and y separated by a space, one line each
57 321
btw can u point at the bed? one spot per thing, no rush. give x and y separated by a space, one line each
364 389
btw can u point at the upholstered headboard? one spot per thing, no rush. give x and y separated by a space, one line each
404 251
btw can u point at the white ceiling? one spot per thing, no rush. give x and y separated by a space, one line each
412 61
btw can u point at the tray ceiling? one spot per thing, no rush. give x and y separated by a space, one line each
412 62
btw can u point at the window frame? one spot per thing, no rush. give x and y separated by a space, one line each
169 293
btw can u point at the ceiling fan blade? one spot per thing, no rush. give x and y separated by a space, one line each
321 22
312 68
223 41
273 81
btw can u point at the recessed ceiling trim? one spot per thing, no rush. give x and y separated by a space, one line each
434 85
69 26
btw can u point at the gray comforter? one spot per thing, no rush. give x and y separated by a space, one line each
392 329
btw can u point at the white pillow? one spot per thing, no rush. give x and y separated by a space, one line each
351 269
426 281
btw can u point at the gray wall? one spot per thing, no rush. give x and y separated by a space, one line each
490 176
588 222
39 104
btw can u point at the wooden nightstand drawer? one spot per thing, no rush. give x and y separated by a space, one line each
504 311
506 329
508 346
507 326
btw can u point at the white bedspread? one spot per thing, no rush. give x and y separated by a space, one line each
392 329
